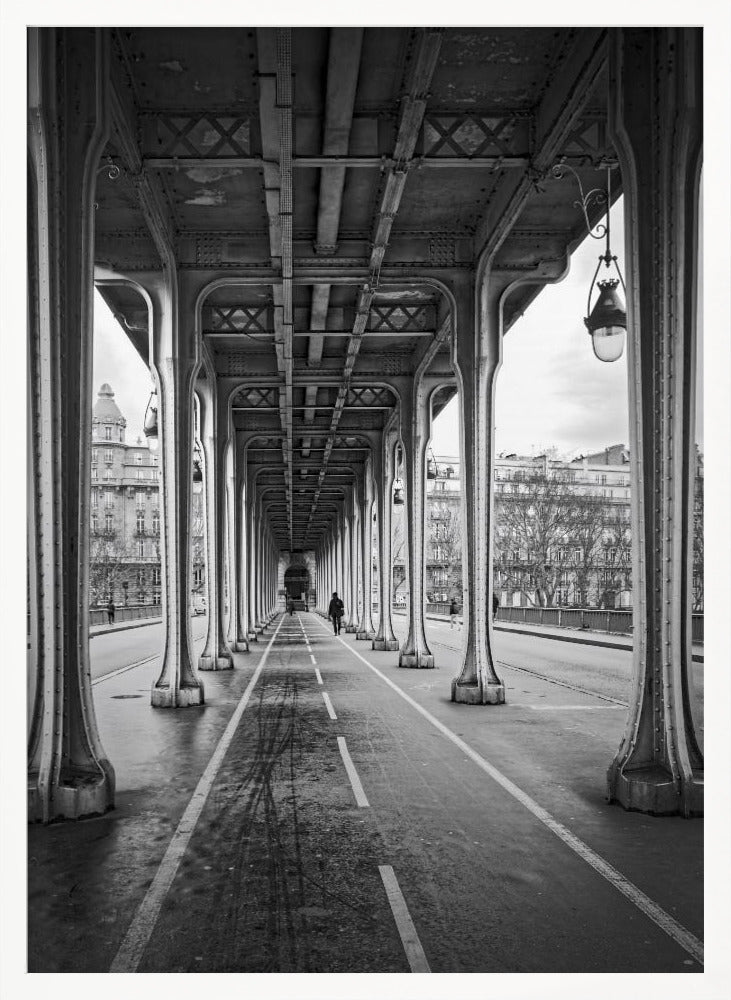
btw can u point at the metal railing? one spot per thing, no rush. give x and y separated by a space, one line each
99 616
592 619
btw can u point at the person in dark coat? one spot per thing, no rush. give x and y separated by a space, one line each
495 605
335 611
453 612
110 612
290 605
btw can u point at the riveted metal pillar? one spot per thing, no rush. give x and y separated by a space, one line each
216 654
365 625
68 772
385 638
233 582
416 426
352 599
656 119
251 556
175 366
476 356
242 643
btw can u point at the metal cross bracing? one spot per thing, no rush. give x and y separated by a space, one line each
323 233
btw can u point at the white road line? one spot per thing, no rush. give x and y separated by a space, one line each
314 661
135 940
329 706
663 920
360 795
131 666
573 708
318 675
122 670
404 923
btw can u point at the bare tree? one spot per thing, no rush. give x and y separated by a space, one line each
109 568
446 542
546 529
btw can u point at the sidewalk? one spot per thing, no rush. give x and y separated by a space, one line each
95 630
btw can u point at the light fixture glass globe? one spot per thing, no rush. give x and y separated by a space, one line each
608 342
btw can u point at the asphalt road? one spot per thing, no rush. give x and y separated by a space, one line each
112 651
355 820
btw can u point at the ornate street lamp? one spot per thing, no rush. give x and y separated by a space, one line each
607 321
150 425
197 470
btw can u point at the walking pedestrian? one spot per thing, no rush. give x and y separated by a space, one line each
453 612
335 611
290 606
495 605
110 612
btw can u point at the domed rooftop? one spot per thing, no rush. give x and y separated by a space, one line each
105 409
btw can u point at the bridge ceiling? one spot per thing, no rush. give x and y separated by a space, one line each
320 179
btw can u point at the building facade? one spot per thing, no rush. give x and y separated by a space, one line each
124 562
562 531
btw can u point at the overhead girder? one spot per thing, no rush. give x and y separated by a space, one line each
315 306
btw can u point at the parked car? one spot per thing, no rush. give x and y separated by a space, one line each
198 604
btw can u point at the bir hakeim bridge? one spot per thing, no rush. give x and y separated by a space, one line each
315 238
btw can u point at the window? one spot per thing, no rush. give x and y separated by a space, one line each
108 456
604 480
140 550
197 576
140 521
94 498
156 576
108 523
108 498
140 578
109 473
138 459
94 524
121 433
140 473
107 432
154 459
156 522
577 554
93 472
140 499
154 473
155 595
94 455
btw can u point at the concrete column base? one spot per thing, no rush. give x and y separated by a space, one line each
241 646
259 629
220 662
386 644
419 660
87 796
364 635
351 628
478 694
182 697
652 790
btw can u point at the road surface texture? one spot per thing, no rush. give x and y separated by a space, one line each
326 811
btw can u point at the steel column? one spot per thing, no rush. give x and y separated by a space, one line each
656 120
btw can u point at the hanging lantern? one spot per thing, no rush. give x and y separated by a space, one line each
197 466
607 322
398 494
150 425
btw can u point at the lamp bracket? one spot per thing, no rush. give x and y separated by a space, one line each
596 196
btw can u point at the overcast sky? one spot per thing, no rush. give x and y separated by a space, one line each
551 390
